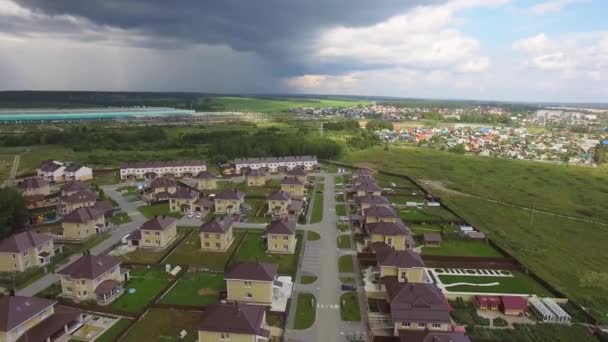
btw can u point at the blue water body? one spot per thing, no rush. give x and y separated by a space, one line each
87 114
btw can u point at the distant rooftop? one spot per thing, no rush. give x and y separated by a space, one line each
87 113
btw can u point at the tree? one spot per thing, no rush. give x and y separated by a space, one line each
13 211
376 125
459 149
601 154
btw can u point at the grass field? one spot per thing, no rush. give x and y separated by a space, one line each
344 241
254 248
465 248
165 325
307 279
533 333
276 105
6 163
189 253
427 215
317 209
111 334
346 264
518 284
312 236
120 218
195 288
258 206
149 211
349 307
147 283
306 309
340 210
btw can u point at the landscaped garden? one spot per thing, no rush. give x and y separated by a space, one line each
534 333
349 307
147 283
195 288
463 248
306 309
317 209
120 218
149 211
346 264
253 248
165 325
189 253
519 283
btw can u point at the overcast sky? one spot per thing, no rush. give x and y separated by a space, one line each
526 50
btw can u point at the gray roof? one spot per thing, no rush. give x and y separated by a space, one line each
159 164
291 181
257 173
361 172
74 186
73 167
281 226
376 211
432 237
205 175
274 159
162 182
49 166
367 187
32 183
234 318
296 171
374 200
185 193
259 271
90 266
82 215
388 228
279 195
80 197
217 225
158 223
387 256
417 302
23 241
18 309
230 194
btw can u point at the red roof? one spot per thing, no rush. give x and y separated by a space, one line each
488 300
514 303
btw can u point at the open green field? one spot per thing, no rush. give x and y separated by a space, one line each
349 307
195 288
189 253
147 283
346 264
533 333
149 211
306 310
276 105
6 163
344 241
262 191
427 215
253 248
111 334
317 209
165 325
465 248
340 210
519 283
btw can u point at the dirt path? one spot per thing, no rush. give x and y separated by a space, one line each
10 180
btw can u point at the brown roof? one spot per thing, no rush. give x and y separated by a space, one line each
275 159
260 271
296 171
82 215
18 309
104 206
257 173
51 325
162 182
135 235
376 211
425 336
50 166
171 163
80 197
279 195
291 181
158 223
367 187
186 193
386 256
205 175
374 200
361 172
230 194
234 318
73 167
281 226
74 186
106 286
32 183
419 302
217 225
388 228
23 241
90 266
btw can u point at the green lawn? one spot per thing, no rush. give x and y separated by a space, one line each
111 334
254 248
313 236
151 255
120 218
263 191
258 206
340 198
6 163
189 253
306 311
468 248
346 264
518 284
149 211
147 283
317 209
533 333
195 288
340 210
347 280
275 105
165 325
307 279
427 215
349 307
320 188
344 241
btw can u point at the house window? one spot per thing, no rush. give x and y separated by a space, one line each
247 284
403 275
436 325
84 293
390 241
422 325
206 244
217 245
225 337
249 295
68 289
207 235
217 236
405 324
157 233
285 237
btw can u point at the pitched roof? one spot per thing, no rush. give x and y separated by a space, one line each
74 186
361 172
388 228
158 223
32 183
82 215
419 302
281 226
376 211
260 271
296 171
185 193
234 318
514 302
367 187
406 335
162 182
73 167
374 200
50 166
18 309
432 237
104 206
90 266
291 181
23 241
279 195
257 173
159 164
49 326
80 197
205 175
274 159
230 194
217 225
386 256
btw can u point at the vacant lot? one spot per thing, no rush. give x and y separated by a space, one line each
258 209
344 241
147 284
195 288
149 211
468 248
6 163
189 253
254 248
427 215
519 283
340 210
165 325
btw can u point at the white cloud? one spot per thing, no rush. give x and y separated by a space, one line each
550 6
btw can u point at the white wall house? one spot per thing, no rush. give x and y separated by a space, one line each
177 168
276 164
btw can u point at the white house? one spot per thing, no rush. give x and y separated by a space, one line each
276 164
175 168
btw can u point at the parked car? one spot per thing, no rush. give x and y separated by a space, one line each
190 214
199 215
348 287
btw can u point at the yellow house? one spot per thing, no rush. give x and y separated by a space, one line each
22 251
80 199
158 232
257 177
36 319
73 187
34 186
294 187
184 200
83 223
379 214
233 322
206 181
216 235
229 201
160 188
299 173
278 202
93 277
369 201
250 282
395 234
406 266
281 236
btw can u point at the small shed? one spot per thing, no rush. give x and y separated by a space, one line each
487 302
542 311
432 240
513 305
560 314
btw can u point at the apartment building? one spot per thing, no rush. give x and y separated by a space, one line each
169 169
275 164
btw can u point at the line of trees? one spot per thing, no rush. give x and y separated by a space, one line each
13 211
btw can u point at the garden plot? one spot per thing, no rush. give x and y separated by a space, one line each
485 281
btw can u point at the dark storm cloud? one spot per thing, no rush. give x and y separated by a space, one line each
278 30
